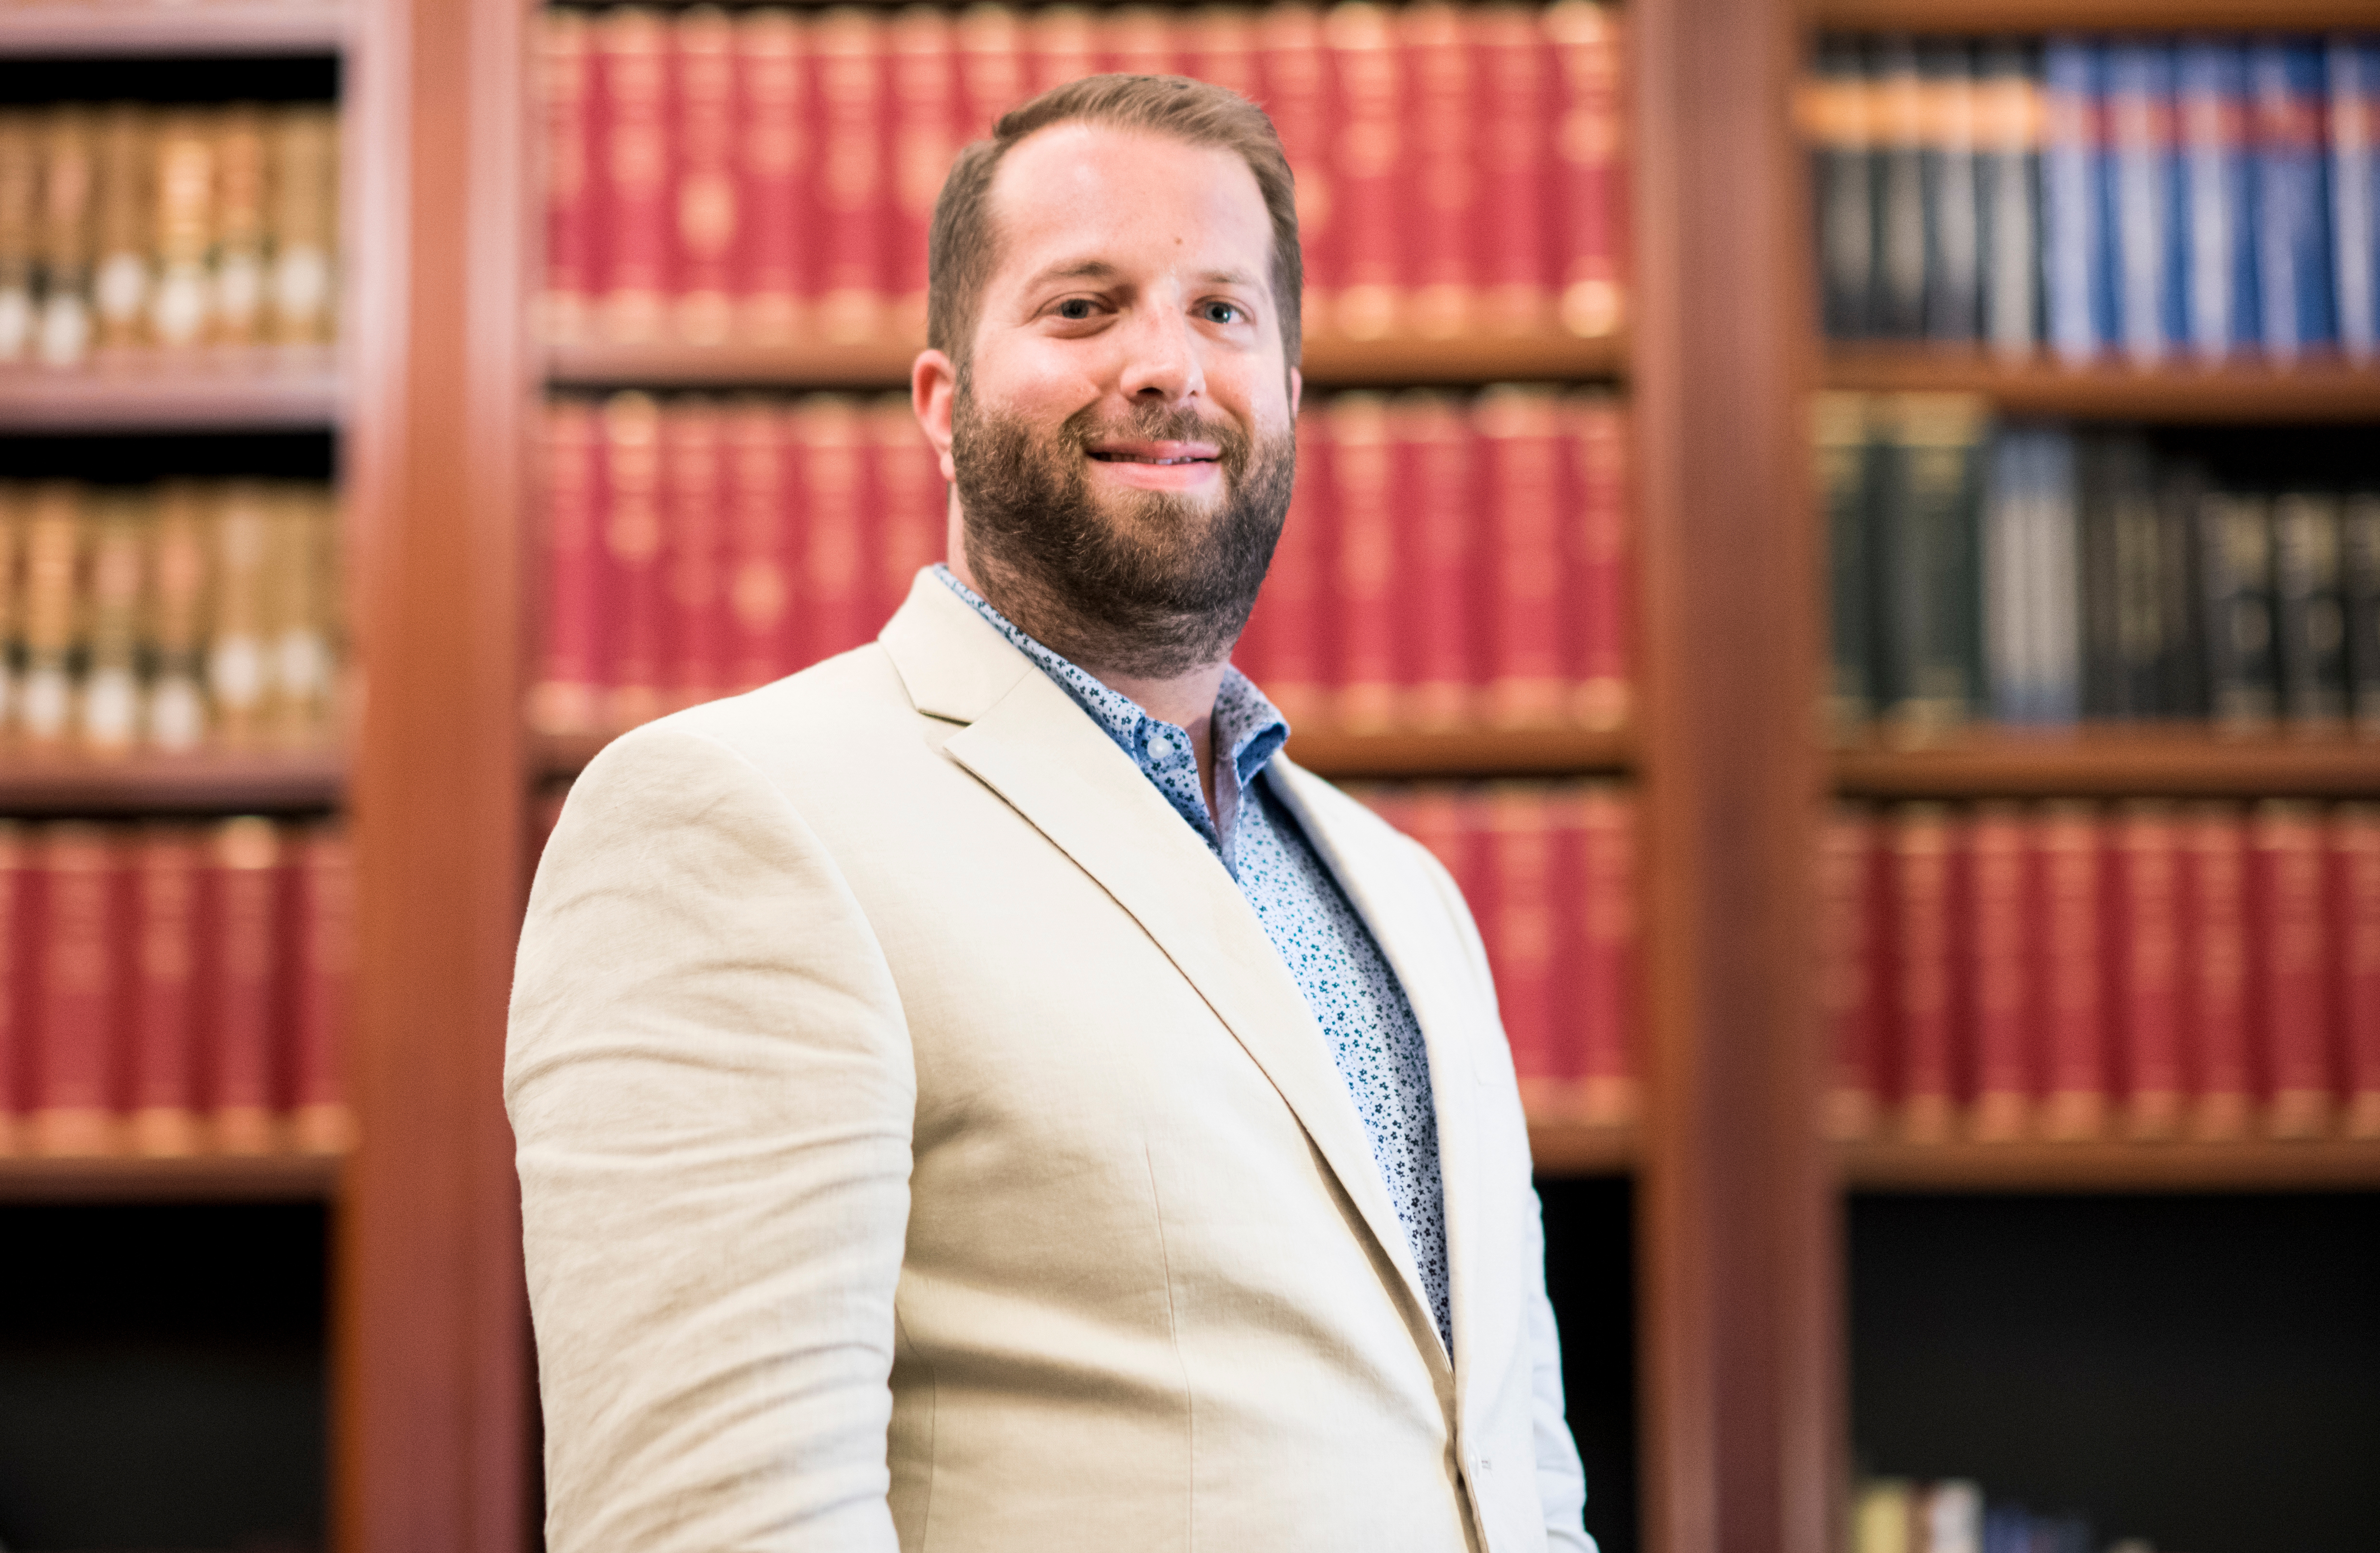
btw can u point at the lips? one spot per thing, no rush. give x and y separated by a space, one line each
1156 455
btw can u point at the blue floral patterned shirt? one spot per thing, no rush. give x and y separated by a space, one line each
1356 997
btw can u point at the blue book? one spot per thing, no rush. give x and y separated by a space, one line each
2145 192
2293 268
2219 266
2073 211
2355 190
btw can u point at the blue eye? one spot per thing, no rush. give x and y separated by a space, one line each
1222 312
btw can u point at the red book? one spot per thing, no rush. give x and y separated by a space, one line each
773 143
1219 46
2355 930
632 545
925 109
1140 42
1363 467
165 1103
764 511
1367 167
1443 211
2074 1004
1436 492
1061 44
1998 881
853 190
320 992
633 120
836 591
2289 1013
77 1030
1602 600
567 81
911 499
2148 965
1606 888
243 880
564 700
1522 447
18 914
1294 76
1924 1078
1515 89
1433 814
1589 165
1291 619
695 518
991 68
1522 949
2215 984
707 195
1849 984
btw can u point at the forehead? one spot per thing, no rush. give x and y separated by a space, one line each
1133 199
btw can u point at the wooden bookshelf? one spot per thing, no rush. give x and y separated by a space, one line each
1328 362
258 1178
2310 1164
2110 761
2316 389
263 389
85 29
1565 1147
1975 17
220 780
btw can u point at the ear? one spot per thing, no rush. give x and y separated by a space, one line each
932 381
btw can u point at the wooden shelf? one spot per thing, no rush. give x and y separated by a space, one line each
885 365
2149 761
1484 753
263 1178
159 390
64 783
1562 1148
2313 391
1977 17
2314 1165
63 29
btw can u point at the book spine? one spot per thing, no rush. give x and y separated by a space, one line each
2147 846
321 991
2215 979
1514 257
1062 46
1139 41
1293 72
1590 158
1849 940
2285 84
2354 130
176 626
991 63
2073 1000
855 201
566 80
910 496
633 549
244 873
123 242
835 588
692 517
49 637
1293 614
2355 933
2212 85
2359 549
1440 288
1368 170
306 222
565 697
69 174
1605 1065
2070 213
237 682
2136 605
2235 560
1597 566
633 121
19 910
2056 548
1524 949
1839 435
236 309
1953 219
2310 632
772 144
1362 467
2009 606
1925 1084
122 526
183 229
1936 591
164 1099
925 107
2181 655
1435 489
2009 121
1521 448
1999 852
1898 100
77 1028
20 184
705 198
2290 1007
2146 159
1836 112
766 518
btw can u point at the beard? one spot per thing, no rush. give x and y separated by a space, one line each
1149 584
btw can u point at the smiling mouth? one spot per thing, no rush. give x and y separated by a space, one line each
1148 458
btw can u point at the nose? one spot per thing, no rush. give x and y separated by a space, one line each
1160 365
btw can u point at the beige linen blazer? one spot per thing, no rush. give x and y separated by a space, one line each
921 1146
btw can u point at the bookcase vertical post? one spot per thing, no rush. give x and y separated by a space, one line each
1741 1388
431 1435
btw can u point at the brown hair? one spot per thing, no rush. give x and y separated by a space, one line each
960 249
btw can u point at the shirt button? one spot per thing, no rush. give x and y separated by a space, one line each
1160 746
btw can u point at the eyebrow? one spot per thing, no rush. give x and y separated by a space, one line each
1100 270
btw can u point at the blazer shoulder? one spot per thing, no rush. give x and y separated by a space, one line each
848 708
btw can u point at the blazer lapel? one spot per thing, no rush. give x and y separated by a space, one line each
1029 742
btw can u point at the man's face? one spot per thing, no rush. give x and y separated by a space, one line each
1122 435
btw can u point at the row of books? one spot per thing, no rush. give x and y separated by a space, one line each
128 225
2144 197
2043 573
172 990
1549 872
168 618
1448 561
2070 971
767 175
1898 1515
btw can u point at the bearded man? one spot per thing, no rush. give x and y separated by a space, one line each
979 1092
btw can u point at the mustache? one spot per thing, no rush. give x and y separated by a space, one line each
1155 423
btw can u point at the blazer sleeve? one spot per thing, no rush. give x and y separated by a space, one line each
1562 1478
712 1089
